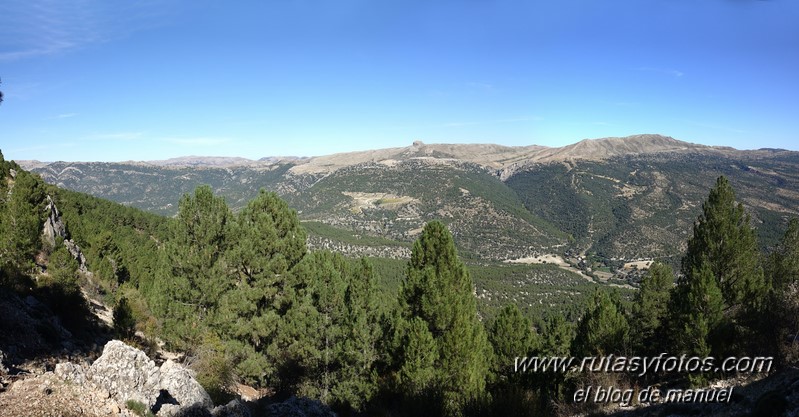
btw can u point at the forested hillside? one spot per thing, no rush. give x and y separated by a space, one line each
643 206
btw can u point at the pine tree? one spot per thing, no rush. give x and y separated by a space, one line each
195 265
781 321
725 240
326 343
783 264
705 305
650 309
62 288
703 318
512 336
22 221
3 177
417 374
266 241
362 331
723 245
439 291
124 322
603 329
557 337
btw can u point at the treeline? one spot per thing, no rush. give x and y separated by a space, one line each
241 295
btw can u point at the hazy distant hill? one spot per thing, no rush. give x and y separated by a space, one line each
627 198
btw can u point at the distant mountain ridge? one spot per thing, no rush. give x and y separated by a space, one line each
495 156
489 155
616 198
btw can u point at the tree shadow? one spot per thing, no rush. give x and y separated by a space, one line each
46 324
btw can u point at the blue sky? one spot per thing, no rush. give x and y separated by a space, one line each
99 80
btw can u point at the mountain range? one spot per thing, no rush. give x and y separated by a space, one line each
598 203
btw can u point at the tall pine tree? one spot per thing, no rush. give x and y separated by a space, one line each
650 310
512 336
724 238
603 329
196 271
723 246
782 319
22 219
265 243
704 305
439 291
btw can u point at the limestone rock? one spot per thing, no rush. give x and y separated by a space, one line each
53 226
168 410
172 410
182 386
127 373
76 253
70 372
3 369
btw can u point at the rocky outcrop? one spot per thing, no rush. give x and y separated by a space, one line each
71 372
127 373
49 395
54 229
3 369
182 386
53 226
775 395
76 253
124 373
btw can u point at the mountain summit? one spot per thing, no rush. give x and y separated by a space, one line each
499 157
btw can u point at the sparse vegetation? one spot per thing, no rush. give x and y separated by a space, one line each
139 409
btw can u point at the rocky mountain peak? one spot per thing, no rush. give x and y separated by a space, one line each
618 146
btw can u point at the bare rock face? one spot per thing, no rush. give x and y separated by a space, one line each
127 373
49 395
76 253
299 407
3 369
53 226
179 382
172 410
71 372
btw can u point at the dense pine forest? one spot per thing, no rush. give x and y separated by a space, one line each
243 297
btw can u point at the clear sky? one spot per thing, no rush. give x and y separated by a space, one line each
118 80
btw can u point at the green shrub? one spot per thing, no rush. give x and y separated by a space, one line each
139 409
124 322
214 370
